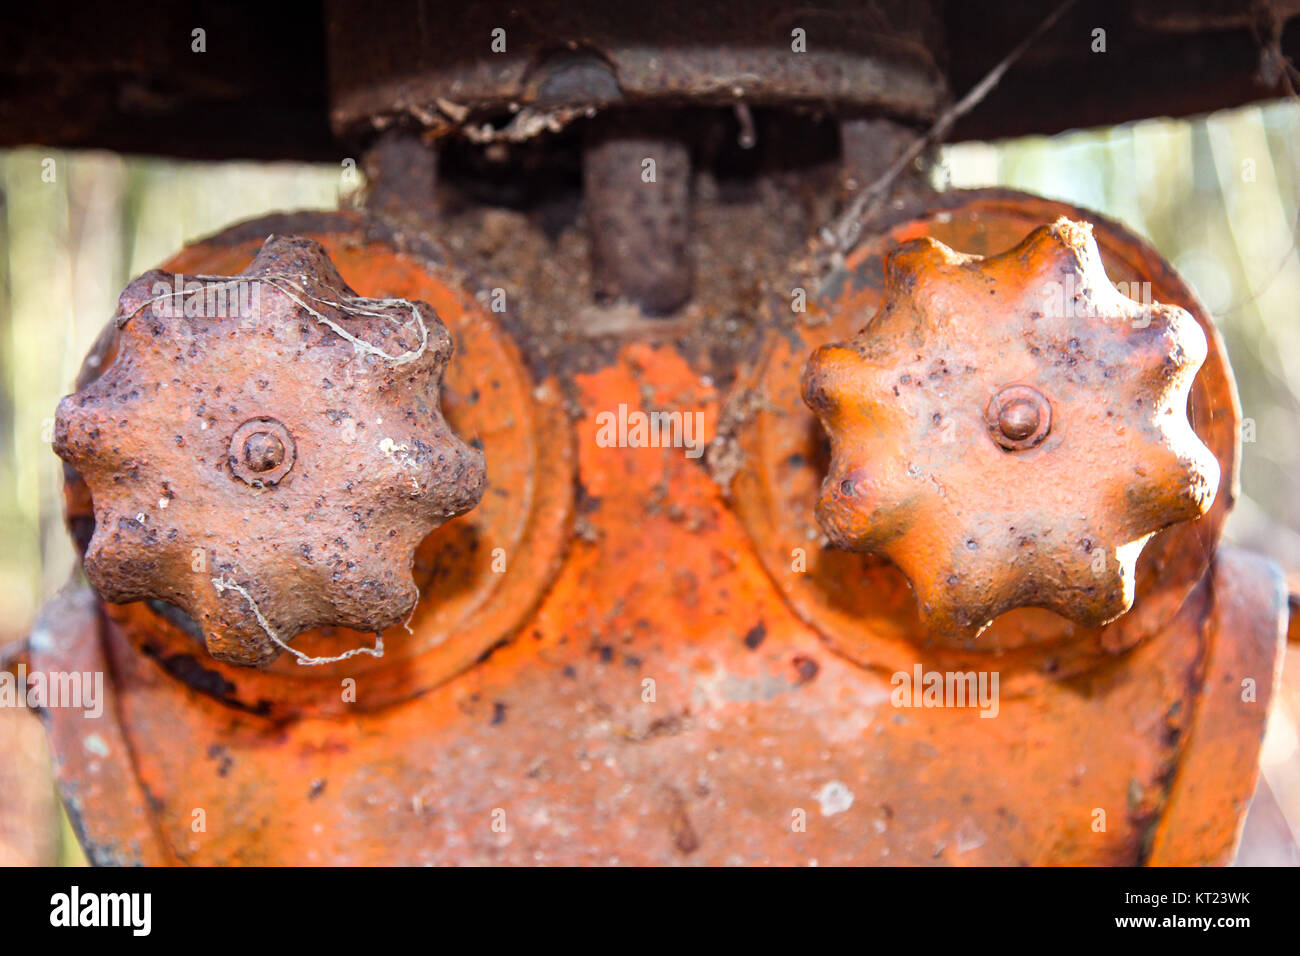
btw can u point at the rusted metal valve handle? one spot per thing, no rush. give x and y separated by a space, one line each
1011 430
266 451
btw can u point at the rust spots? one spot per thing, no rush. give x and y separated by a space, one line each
940 496
684 838
225 485
805 668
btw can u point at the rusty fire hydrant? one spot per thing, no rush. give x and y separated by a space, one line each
622 656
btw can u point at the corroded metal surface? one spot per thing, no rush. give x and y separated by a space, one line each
1245 636
544 67
101 789
483 572
266 452
81 75
1010 430
861 603
649 690
751 743
637 188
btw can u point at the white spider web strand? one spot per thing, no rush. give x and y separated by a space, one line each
354 305
306 660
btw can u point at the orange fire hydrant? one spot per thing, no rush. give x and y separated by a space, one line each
948 591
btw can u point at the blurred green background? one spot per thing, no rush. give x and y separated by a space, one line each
1217 196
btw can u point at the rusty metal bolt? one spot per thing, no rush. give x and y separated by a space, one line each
261 451
1019 417
637 188
270 465
1083 393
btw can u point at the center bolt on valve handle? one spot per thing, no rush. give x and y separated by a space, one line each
1011 430
266 451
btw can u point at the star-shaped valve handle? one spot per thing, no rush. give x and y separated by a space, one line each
1011 430
265 451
